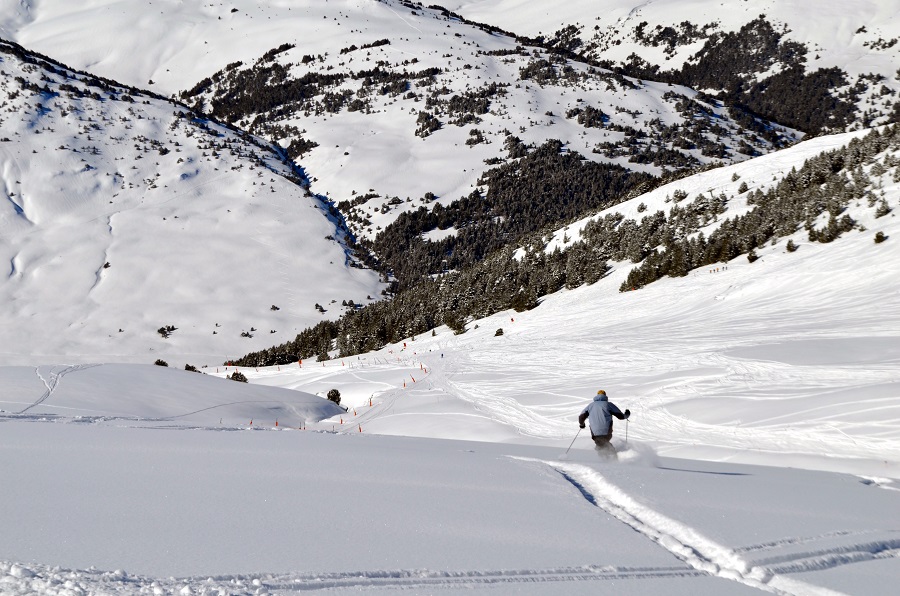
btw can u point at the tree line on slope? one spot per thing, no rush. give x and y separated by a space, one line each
827 183
665 245
544 186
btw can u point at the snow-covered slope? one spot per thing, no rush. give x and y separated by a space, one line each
775 382
176 44
150 503
153 395
789 360
860 38
402 121
123 213
404 103
124 479
832 32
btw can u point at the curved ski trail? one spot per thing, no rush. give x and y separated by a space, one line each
706 555
52 382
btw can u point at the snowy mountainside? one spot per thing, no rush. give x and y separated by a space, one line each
826 189
391 106
159 482
124 213
860 39
869 164
389 123
763 450
761 362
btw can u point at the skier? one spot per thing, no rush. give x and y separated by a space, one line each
600 412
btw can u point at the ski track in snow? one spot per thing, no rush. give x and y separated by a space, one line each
494 389
884 483
701 555
52 382
21 578
765 566
707 556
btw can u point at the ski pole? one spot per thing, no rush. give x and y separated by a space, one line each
573 441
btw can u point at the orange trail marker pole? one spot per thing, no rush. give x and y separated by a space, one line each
342 419
360 428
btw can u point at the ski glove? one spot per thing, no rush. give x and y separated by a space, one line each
627 414
581 425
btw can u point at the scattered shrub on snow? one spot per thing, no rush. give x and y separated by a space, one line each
166 331
238 376
335 396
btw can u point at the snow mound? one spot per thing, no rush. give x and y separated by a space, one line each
149 395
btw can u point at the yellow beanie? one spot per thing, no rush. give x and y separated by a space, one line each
601 391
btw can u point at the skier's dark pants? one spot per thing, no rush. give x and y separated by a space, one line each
602 440
604 447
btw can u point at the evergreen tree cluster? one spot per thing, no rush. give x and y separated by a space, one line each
465 108
809 101
671 37
268 90
545 187
588 117
825 184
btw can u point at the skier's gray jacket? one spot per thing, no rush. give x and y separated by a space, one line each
600 413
